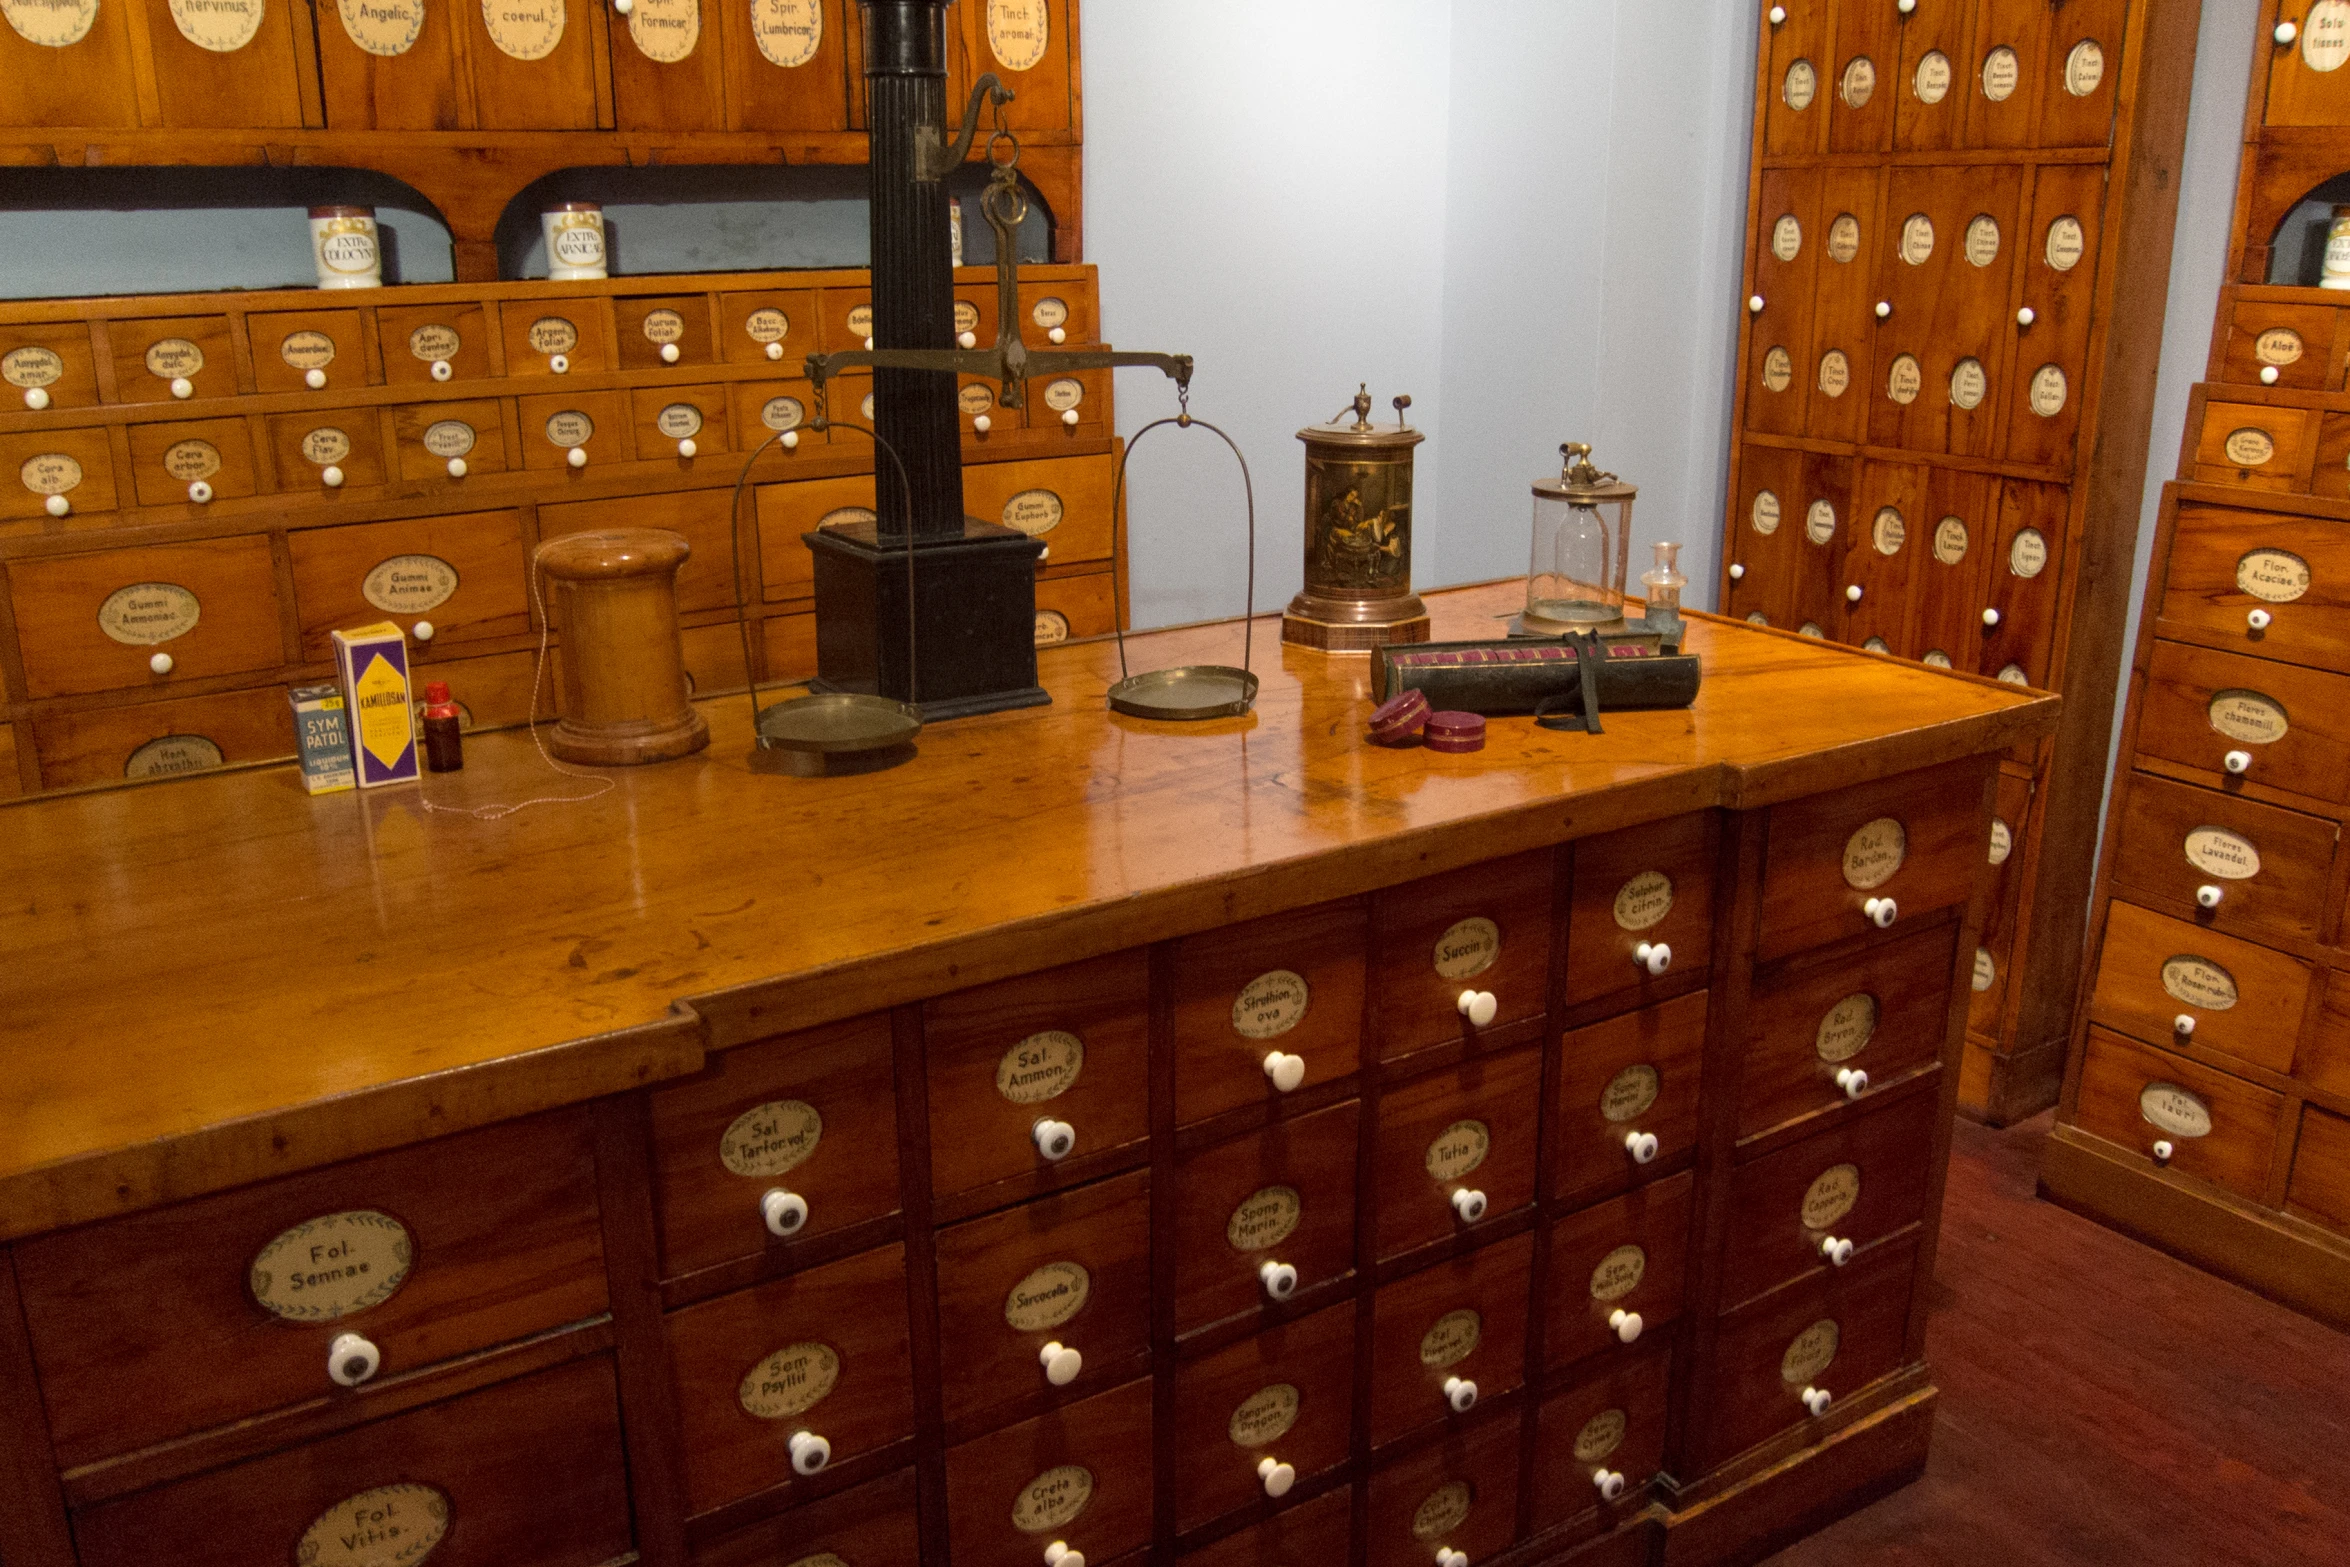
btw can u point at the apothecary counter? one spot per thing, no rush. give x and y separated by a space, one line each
1093 1141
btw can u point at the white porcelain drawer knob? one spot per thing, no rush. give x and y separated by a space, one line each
351 1360
2183 1025
1884 309
1069 417
1054 1139
2268 375
442 369
669 353
791 440
1446 1556
775 350
36 398
314 379
2025 315
1610 1483
1279 1279
57 505
2208 895
868 345
2259 620
1642 1146
1625 1324
1778 15
1278 1477
1654 956
1460 1394
809 1452
1479 1006
966 339
785 1213
982 423
1882 912
577 457
331 476
1754 304
2237 761
182 387
2286 32
1836 1249
1852 594
200 492
1469 1204
1853 1081
558 364
689 446
1284 1071
2162 1150
160 663
1737 572
1058 1554
1905 6
1061 1363
1816 1399
456 467
422 631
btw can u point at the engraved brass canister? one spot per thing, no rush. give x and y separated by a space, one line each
1358 593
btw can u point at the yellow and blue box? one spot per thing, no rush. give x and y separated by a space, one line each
373 664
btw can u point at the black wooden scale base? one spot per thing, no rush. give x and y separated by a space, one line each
974 618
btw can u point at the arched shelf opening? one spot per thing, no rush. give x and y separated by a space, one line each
2297 251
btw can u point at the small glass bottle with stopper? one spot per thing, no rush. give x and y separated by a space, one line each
1575 581
1664 583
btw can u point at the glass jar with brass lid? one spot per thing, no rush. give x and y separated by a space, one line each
1582 538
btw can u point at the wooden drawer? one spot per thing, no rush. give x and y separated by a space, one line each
1628 1255
1080 1475
1321 1530
2255 446
1071 607
2293 723
2226 565
1457 1494
876 1523
162 739
764 408
649 323
77 464
1620 1082
1292 984
810 1114
1067 303
2237 998
2221 1129
1612 1424
430 1253
170 461
1283 1196
768 326
52 357
463 575
822 1351
290 344
844 319
706 580
1462 1321
668 416
414 338
1069 1045
1457 1149
1064 501
1645 886
1052 398
1837 1333
1484 929
1286 1395
93 622
2296 341
1881 1011
2320 1187
555 424
306 448
787 512
1072 1269
540 332
2326 1061
1862 1179
468 1476
149 356
1915 838
430 436
2270 867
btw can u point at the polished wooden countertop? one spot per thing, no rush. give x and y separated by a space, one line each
217 979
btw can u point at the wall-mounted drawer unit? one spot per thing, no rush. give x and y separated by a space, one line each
1250 999
461 577
1461 954
146 618
2160 979
1457 1149
1827 1200
1080 1476
1626 1110
1448 1337
1262 1415
2215 1127
1615 1273
1824 1027
1641 909
1265 1215
1877 856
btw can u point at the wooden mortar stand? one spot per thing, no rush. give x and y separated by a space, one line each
624 692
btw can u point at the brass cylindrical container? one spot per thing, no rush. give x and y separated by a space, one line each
1358 593
614 594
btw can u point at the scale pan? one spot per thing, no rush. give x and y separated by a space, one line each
1186 692
837 723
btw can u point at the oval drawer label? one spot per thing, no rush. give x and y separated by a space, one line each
2028 555
1629 1093
1442 1511
49 473
1986 970
1264 1416
1931 81
1819 522
2215 851
974 399
525 29
1049 312
222 26
1644 901
449 438
861 320
174 356
1270 1005
2067 243
1052 627
1917 239
966 316
2175 1110
389 1526
146 613
666 30
788 32
1811 628
1031 511
2048 391
1859 82
191 459
2248 716
664 326
1847 1028
678 420
167 756
1048 1297
1812 1352
1619 1273
1787 237
1778 369
553 334
1040 1067
1017 32
1765 515
2084 68
791 1381
2002 841
1601 1435
846 517
433 343
1888 532
1968 384
1874 852
1835 372
1905 380
2279 345
1062 395
1982 240
1053 1499
1843 238
1831 1195
34 366
1267 1217
1459 1149
2273 576
408 584
1950 541
1468 948
2199 982
768 324
772 1138
1935 659
570 428
325 445
821 1558
782 413
53 24
332 1266
2001 73
1453 1339
2325 35
2249 447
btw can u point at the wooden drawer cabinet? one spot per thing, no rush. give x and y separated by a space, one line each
2227 566
1914 839
650 324
2291 726
1815 1022
151 358
1071 1270
556 424
1080 1476
52 358
2255 446
414 338
2270 868
1860 1180
289 345
1281 1199
871 1525
1457 1149
465 1480
95 622
1621 1083
178 1319
1291 985
554 337
1625 1256
192 462
76 466
1265 1413
822 1352
1034 1076
2160 979
2220 1128
1448 1337
1320 1531
1456 1494
1611 1425
1064 501
1484 930
810 1115
1641 888
462 574
428 438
